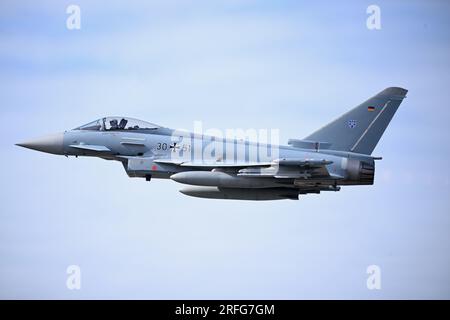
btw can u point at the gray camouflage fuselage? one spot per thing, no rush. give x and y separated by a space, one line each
337 154
124 145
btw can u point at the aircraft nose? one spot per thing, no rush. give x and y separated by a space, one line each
52 143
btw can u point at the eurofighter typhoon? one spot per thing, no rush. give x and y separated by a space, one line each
338 154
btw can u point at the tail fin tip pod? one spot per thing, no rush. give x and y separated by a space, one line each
360 129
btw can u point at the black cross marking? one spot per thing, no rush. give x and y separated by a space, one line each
174 147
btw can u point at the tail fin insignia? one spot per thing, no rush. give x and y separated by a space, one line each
360 129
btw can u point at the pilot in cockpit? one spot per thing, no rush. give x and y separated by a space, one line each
114 125
118 124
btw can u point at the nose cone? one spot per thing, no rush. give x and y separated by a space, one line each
51 143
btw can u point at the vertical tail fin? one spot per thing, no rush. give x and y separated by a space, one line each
360 129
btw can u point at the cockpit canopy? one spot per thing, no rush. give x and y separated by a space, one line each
118 123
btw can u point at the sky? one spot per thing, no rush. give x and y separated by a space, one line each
286 65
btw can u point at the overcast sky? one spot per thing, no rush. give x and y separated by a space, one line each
231 64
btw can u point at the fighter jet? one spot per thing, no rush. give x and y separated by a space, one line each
338 154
